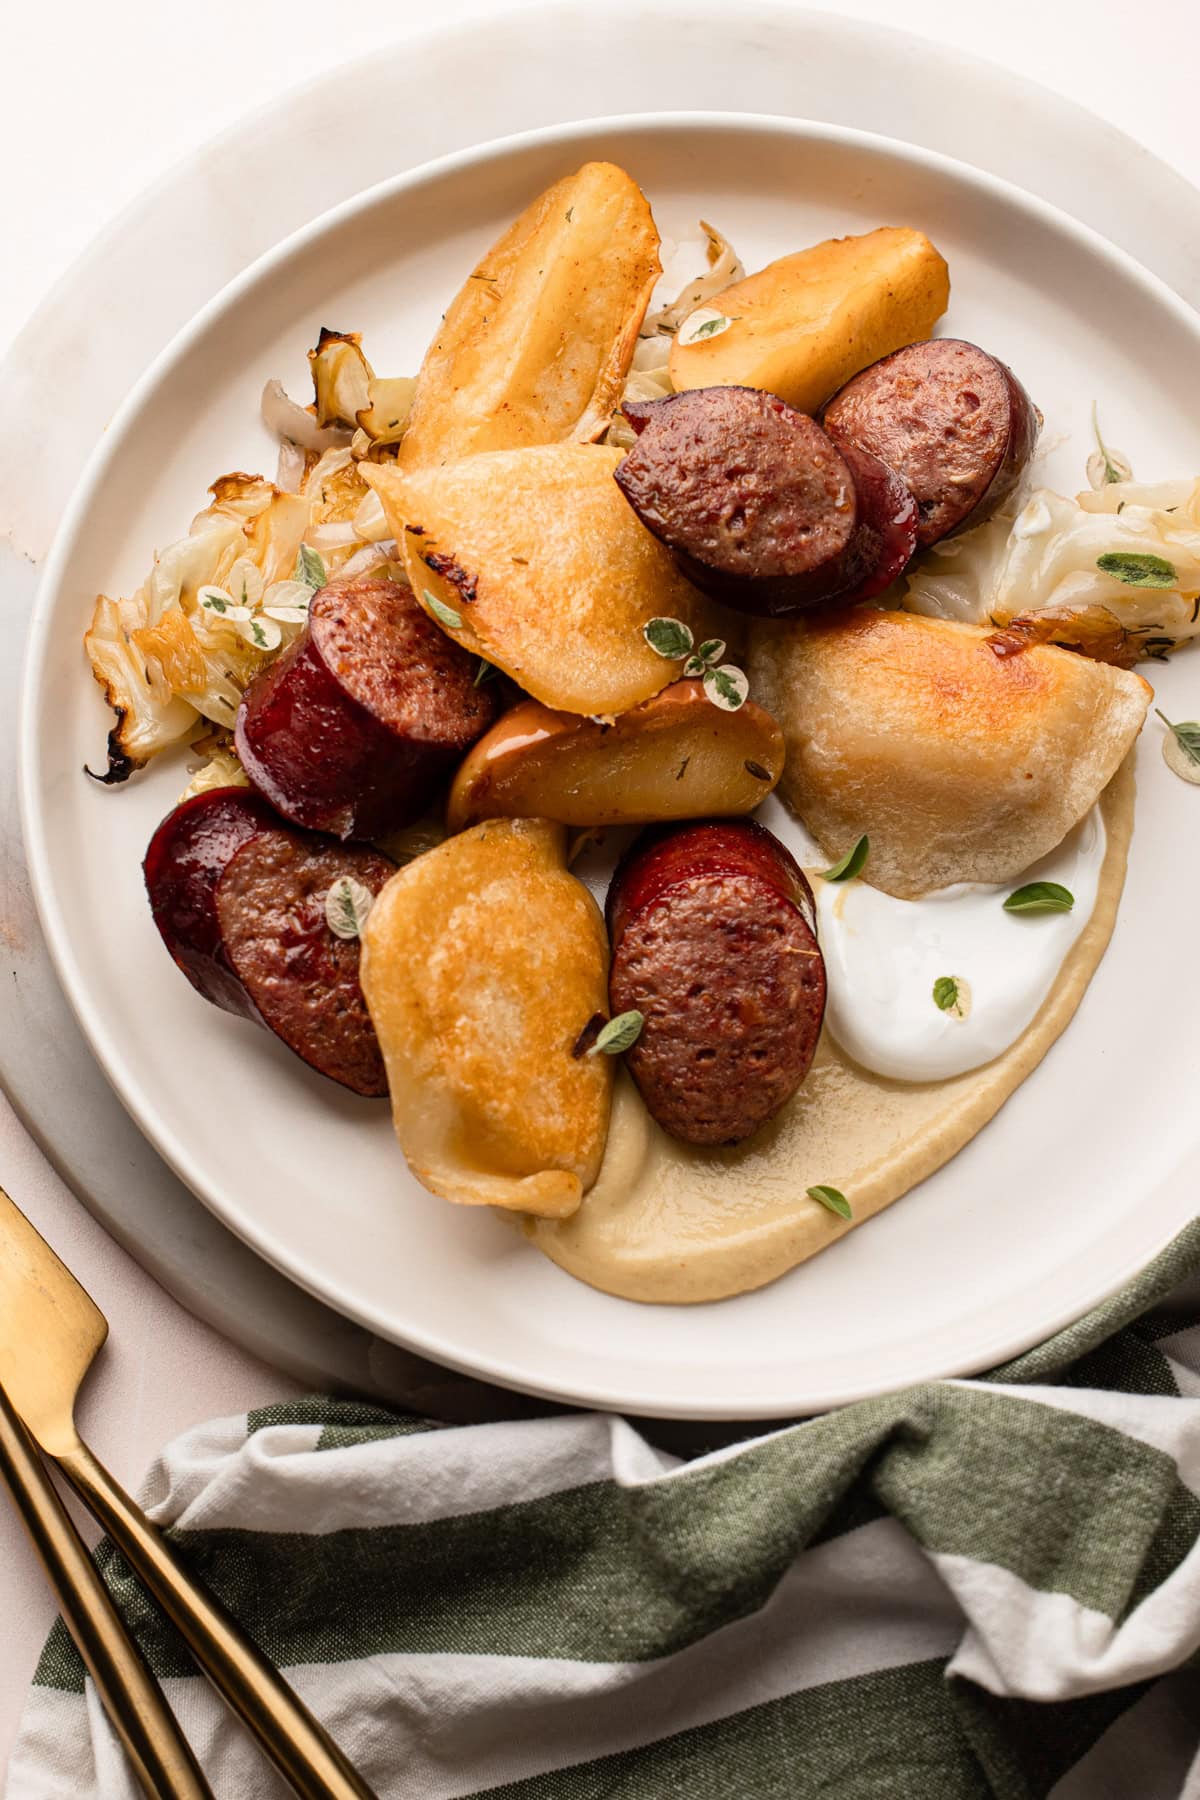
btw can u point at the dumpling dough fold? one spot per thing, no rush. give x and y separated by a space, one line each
482 963
959 764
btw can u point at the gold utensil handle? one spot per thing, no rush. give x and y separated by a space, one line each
158 1752
296 1743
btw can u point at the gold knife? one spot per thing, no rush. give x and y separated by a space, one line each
50 1333
159 1753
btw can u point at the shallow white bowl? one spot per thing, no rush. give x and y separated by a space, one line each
1088 1170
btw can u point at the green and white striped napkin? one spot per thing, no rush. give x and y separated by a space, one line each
984 1588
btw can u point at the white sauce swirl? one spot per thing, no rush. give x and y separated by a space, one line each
883 956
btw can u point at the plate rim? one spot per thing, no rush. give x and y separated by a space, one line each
111 445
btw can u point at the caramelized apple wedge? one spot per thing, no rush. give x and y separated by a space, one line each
801 327
533 559
537 344
482 963
674 757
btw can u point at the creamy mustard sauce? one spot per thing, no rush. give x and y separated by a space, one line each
666 1222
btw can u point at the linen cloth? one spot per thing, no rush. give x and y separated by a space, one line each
968 1590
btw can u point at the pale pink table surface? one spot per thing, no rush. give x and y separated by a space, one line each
146 85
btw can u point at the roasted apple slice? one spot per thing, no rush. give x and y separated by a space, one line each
801 327
483 963
674 757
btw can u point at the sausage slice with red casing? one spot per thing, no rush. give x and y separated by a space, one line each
952 420
760 507
354 727
239 900
714 942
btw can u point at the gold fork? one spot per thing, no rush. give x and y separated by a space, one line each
158 1752
50 1333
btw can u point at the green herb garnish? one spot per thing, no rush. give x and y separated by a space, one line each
620 1034
1181 747
1105 466
727 687
724 684
950 995
1137 570
708 328
445 615
668 637
832 1199
850 865
347 906
1040 897
310 568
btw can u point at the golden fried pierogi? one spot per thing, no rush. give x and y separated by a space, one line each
958 763
483 961
533 559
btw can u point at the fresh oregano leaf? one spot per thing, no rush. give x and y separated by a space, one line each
705 322
445 615
707 655
1138 570
668 637
832 1199
347 905
1040 897
727 687
1104 465
485 672
1181 748
620 1034
952 995
264 634
220 601
310 568
850 865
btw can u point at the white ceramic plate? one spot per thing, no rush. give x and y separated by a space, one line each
1087 1170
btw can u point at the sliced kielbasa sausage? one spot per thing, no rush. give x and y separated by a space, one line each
714 941
952 420
761 508
239 900
352 729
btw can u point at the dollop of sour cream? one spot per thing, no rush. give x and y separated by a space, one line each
883 957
